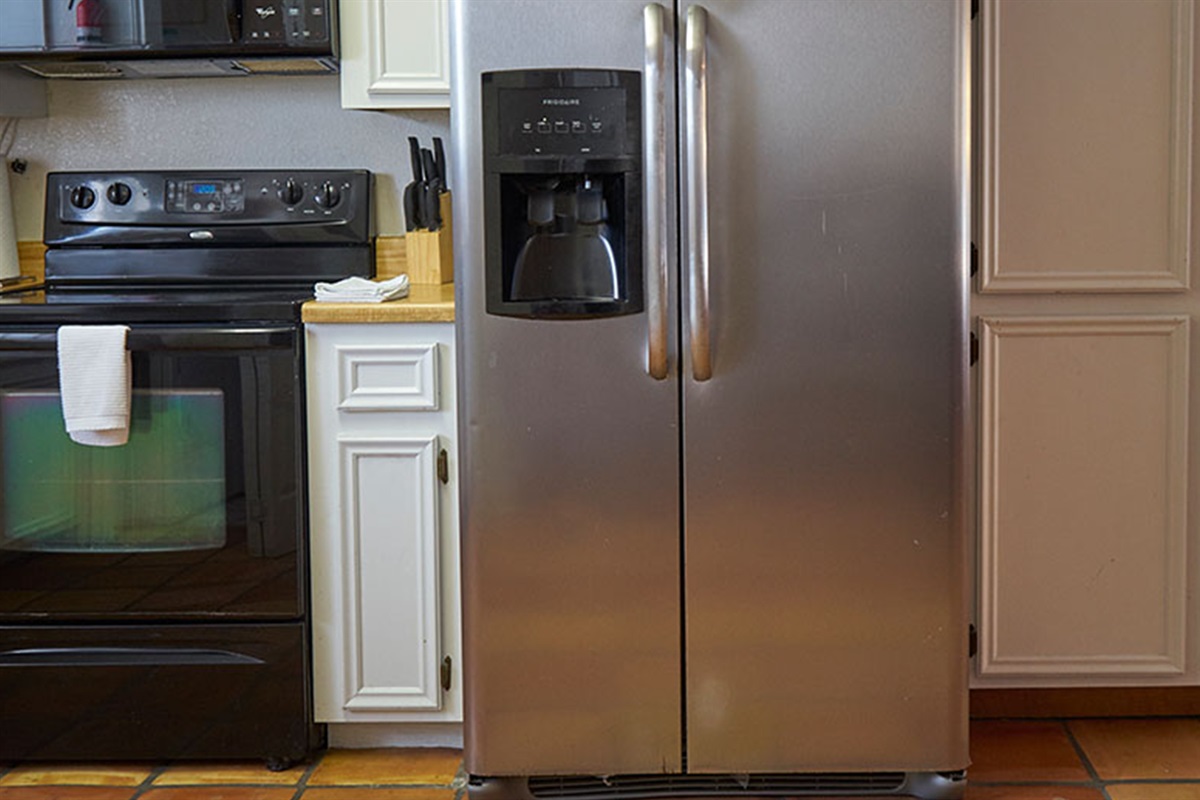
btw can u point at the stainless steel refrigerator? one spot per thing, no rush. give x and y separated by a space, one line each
712 268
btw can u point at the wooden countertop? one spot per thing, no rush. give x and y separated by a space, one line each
425 303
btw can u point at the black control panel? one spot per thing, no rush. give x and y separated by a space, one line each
554 121
172 206
288 23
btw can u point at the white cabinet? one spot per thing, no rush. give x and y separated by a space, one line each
395 53
1088 381
384 520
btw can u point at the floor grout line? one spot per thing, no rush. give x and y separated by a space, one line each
1083 756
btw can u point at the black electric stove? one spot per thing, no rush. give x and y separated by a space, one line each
212 246
154 597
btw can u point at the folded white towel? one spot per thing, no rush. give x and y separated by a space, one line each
361 290
94 378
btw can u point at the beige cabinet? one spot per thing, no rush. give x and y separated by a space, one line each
1087 396
394 53
384 532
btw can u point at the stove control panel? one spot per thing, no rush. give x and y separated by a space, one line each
234 206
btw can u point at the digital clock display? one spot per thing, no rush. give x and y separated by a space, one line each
205 196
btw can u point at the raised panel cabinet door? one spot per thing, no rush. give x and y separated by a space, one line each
395 53
1086 135
1083 468
384 531
392 645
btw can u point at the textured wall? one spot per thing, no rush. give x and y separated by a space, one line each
202 123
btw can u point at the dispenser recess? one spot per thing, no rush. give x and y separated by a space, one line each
563 193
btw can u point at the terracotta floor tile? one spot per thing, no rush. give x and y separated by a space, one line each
1032 793
434 765
1123 749
1012 752
1154 791
92 774
220 793
228 772
66 792
367 793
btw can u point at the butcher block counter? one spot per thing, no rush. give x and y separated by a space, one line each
425 303
430 290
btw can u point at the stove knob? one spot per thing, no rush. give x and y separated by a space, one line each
82 197
328 195
119 193
291 192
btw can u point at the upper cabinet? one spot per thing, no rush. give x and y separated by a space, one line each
1086 141
395 53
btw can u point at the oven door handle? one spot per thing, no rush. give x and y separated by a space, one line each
121 656
173 338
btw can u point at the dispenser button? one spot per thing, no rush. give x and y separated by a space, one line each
597 126
543 126
560 126
577 126
526 127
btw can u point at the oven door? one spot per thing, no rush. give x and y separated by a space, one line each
200 516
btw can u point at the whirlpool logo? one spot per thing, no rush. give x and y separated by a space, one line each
264 11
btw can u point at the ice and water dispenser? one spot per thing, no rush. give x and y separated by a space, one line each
563 193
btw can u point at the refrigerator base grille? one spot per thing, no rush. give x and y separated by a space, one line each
709 785
933 786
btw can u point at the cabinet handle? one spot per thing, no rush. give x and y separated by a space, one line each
447 672
443 466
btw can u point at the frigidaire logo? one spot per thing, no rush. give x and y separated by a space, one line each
264 11
560 101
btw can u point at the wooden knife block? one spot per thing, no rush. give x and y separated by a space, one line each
430 254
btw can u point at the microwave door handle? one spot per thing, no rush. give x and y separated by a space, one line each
654 138
696 134
156 339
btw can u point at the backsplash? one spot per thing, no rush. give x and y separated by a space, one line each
206 123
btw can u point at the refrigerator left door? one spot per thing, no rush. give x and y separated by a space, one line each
570 458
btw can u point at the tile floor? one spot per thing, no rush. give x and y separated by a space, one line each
1081 759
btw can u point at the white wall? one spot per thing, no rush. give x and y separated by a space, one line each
204 123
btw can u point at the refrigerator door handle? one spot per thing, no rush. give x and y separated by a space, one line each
696 135
654 145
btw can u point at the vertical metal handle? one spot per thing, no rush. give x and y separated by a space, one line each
696 136
654 148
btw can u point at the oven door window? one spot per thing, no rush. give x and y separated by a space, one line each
200 515
164 490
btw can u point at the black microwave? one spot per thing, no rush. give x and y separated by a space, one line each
165 38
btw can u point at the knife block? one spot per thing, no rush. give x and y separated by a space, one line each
430 254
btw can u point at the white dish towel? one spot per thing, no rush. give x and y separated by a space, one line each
95 381
361 290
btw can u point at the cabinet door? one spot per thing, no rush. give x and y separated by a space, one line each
1089 368
391 644
395 53
384 531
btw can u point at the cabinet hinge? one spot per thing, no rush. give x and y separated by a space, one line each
447 672
972 641
974 259
974 349
443 466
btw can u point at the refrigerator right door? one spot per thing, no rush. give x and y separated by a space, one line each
826 625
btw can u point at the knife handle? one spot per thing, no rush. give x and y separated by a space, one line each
439 159
414 154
